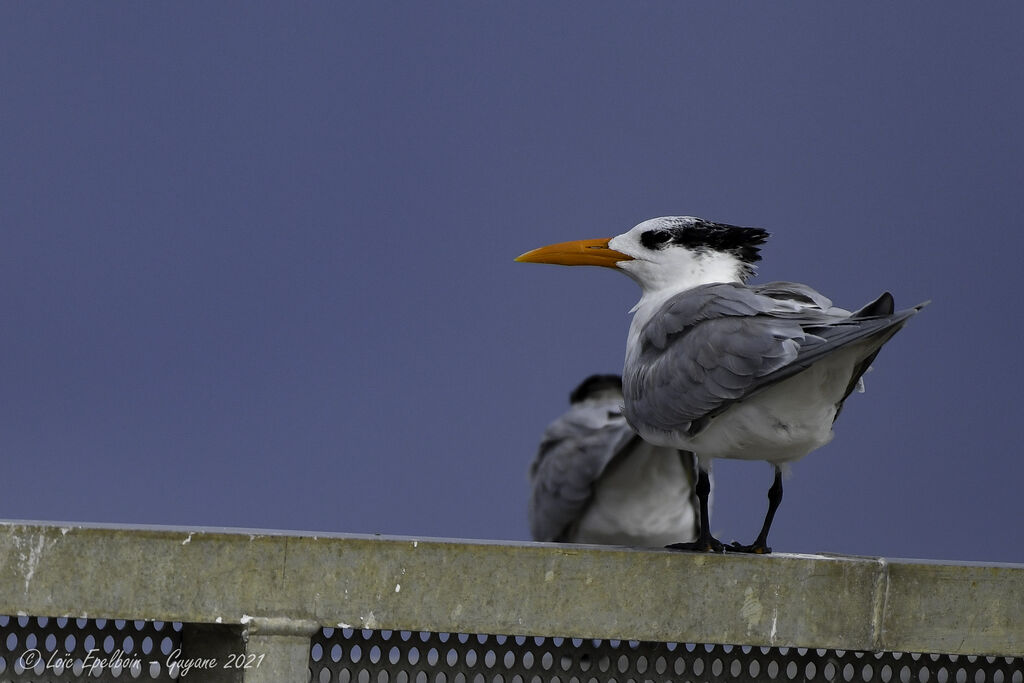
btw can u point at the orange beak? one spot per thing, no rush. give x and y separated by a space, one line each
578 253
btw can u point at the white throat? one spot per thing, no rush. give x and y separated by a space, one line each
678 271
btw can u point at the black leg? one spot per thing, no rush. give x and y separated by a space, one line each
690 466
760 545
705 541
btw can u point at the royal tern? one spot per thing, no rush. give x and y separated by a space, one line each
594 480
727 370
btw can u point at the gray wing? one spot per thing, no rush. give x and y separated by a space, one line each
573 454
716 344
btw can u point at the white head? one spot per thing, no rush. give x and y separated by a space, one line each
672 253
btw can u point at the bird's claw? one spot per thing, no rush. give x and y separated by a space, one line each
712 545
753 548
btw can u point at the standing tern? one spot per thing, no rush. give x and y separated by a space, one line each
594 480
727 370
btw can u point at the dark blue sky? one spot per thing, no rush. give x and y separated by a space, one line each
256 266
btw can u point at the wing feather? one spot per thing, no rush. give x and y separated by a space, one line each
720 343
574 452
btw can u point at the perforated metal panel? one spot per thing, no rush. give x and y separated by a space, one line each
63 649
354 656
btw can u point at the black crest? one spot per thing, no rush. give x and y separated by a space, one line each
699 234
594 384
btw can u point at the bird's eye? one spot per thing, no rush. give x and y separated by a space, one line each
654 239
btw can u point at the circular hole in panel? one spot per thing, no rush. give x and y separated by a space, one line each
660 664
679 666
413 655
470 658
374 654
394 655
452 657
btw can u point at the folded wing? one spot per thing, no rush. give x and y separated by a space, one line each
716 344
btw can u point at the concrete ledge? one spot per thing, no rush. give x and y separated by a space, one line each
235 576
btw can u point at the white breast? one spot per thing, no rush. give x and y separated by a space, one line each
641 500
